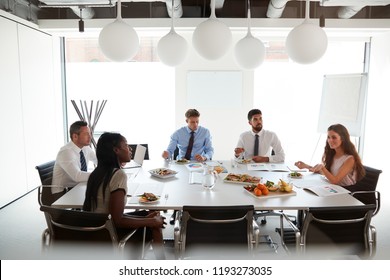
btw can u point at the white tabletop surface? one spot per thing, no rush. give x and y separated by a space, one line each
177 191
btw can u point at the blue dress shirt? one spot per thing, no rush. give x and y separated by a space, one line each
202 142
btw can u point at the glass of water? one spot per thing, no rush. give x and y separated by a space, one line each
209 177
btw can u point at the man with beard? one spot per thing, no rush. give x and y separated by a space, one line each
258 144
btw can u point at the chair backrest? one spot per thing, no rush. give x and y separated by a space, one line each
217 225
348 225
67 225
134 147
368 183
45 172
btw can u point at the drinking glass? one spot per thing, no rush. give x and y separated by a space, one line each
209 177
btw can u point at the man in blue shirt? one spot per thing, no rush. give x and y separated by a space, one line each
199 148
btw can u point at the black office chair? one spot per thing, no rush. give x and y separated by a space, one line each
82 230
221 226
336 232
364 190
134 147
45 171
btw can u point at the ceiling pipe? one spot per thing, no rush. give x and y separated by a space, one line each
348 12
219 4
87 12
276 8
178 8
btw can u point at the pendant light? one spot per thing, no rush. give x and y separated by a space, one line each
118 41
249 52
307 42
172 49
212 38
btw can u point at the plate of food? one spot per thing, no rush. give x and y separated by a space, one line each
182 161
149 198
295 175
244 160
163 173
264 191
241 178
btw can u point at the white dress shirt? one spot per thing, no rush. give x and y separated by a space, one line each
67 169
268 141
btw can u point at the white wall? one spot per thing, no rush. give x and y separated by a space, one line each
30 106
225 124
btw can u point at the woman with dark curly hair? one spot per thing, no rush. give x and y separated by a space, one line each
341 163
107 191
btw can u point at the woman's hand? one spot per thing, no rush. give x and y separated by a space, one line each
302 165
157 220
317 168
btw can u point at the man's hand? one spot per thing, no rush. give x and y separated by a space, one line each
238 151
260 159
165 154
200 158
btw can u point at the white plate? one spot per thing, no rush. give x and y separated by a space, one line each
295 177
140 200
244 161
155 172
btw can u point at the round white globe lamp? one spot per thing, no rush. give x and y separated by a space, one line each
212 38
249 52
307 42
172 49
118 41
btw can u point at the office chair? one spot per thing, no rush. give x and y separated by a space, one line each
134 147
45 171
340 231
364 190
208 226
81 228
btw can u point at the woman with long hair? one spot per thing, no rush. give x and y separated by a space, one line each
107 191
341 163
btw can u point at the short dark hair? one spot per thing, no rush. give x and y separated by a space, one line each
253 112
192 113
76 126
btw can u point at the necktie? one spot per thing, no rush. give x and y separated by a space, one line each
189 148
83 162
256 148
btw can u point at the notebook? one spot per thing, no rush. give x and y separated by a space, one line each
138 157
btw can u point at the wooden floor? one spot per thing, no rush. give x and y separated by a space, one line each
22 225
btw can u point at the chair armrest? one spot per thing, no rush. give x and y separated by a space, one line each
177 233
256 233
377 198
123 241
298 244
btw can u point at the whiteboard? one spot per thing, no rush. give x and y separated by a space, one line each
214 89
343 101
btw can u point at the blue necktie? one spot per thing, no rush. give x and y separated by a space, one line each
83 162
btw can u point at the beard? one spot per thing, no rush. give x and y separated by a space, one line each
257 128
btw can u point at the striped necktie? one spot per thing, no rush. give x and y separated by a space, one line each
82 161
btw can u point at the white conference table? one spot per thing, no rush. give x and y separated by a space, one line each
177 191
